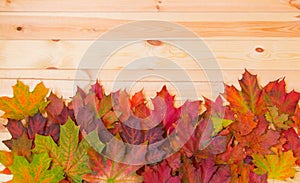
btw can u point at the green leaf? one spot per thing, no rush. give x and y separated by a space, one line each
69 154
280 121
24 103
219 124
277 166
36 171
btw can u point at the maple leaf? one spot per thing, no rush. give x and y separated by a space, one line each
172 113
249 98
105 105
57 111
260 139
292 143
154 134
22 146
279 120
132 135
296 118
106 170
36 171
219 124
220 115
202 143
97 88
35 125
242 172
121 105
138 105
70 154
247 104
278 166
160 173
6 158
274 93
15 128
24 103
207 172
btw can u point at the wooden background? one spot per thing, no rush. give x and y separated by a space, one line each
45 40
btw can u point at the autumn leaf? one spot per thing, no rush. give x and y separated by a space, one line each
70 154
106 170
207 172
105 105
279 120
292 143
24 103
36 171
172 113
132 135
6 158
261 139
97 88
249 98
246 104
296 118
274 94
121 105
35 125
278 166
219 124
161 173
22 146
138 105
242 172
57 111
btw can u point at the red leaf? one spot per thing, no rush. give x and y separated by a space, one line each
154 134
57 111
137 99
131 135
121 105
292 143
206 172
160 173
254 178
172 113
15 128
36 125
97 88
296 118
275 94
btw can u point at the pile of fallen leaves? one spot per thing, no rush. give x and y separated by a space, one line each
247 135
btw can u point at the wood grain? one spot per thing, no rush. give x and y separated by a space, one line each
262 53
146 5
20 26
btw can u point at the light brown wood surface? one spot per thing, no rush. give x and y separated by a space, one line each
46 40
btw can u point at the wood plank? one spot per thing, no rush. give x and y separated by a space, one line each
20 26
146 5
262 53
67 88
132 75
64 83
